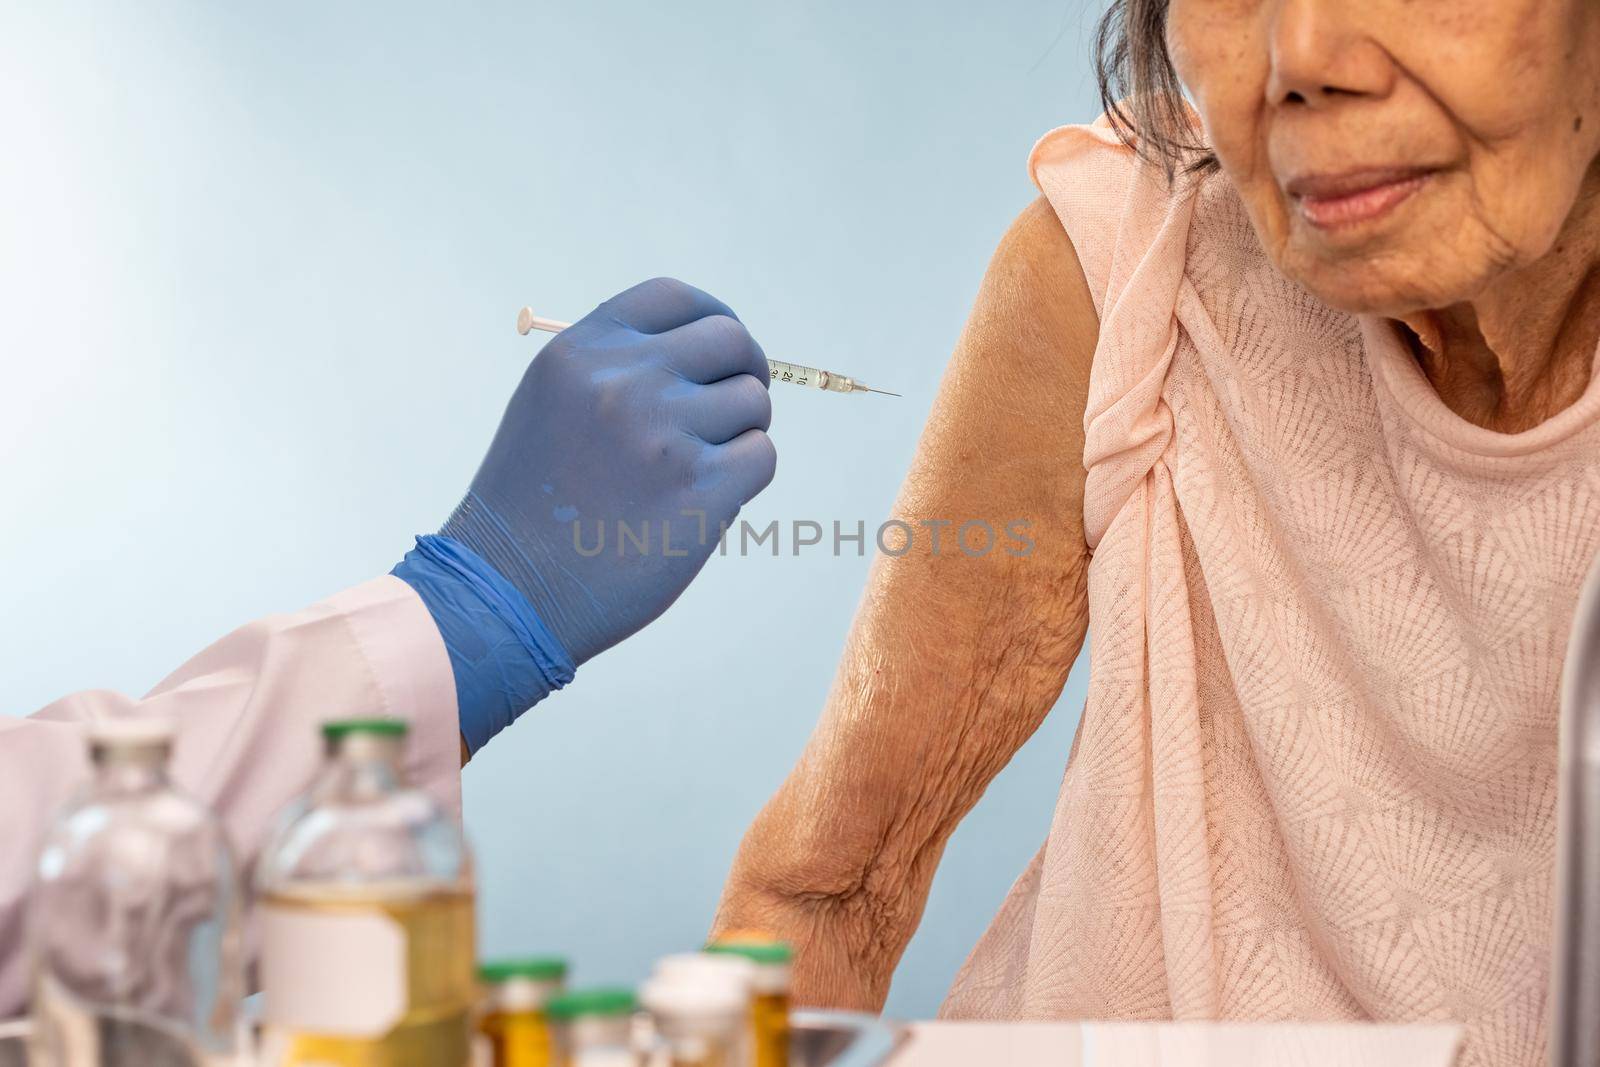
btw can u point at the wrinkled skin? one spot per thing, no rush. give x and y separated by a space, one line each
1488 260
1496 104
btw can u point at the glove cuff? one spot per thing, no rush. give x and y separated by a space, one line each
504 657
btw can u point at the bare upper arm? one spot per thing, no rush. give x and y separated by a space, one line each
1017 383
954 658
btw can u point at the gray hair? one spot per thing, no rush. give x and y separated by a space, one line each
1139 88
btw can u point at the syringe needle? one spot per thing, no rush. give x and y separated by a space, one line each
870 389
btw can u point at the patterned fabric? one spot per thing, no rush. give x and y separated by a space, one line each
1315 777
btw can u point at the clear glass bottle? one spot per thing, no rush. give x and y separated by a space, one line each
594 1028
512 1020
769 1007
366 917
134 917
698 1020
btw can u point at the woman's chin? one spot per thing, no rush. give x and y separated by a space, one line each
1393 282
1427 251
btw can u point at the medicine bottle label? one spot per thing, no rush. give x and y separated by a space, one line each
337 972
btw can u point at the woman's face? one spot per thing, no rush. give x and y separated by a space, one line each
1397 154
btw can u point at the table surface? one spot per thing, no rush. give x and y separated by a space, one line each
958 1044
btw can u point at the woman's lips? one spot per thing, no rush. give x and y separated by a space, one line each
1331 201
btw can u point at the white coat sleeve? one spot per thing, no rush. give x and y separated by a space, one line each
248 710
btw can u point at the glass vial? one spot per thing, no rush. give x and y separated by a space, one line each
698 1020
594 1028
512 1019
769 1009
134 917
366 917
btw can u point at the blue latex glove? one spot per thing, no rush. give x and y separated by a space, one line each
650 412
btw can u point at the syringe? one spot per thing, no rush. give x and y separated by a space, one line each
792 373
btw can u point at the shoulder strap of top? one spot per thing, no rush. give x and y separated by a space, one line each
1085 173
1129 226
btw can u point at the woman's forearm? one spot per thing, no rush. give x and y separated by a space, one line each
926 710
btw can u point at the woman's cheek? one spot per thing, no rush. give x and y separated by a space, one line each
1225 76
1235 133
1220 56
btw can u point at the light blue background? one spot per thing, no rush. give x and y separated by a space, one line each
258 271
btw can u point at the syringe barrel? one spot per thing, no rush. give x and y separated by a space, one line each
797 374
777 369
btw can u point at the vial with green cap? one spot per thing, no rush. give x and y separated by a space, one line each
593 1028
513 1022
366 916
772 961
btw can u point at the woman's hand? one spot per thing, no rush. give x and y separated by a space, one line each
953 660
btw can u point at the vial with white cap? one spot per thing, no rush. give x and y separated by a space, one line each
740 974
704 965
134 915
699 1018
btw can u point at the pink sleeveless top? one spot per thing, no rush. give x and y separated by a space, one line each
1316 773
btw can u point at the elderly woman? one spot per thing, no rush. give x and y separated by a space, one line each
1297 394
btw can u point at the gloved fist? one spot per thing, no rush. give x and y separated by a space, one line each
632 437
